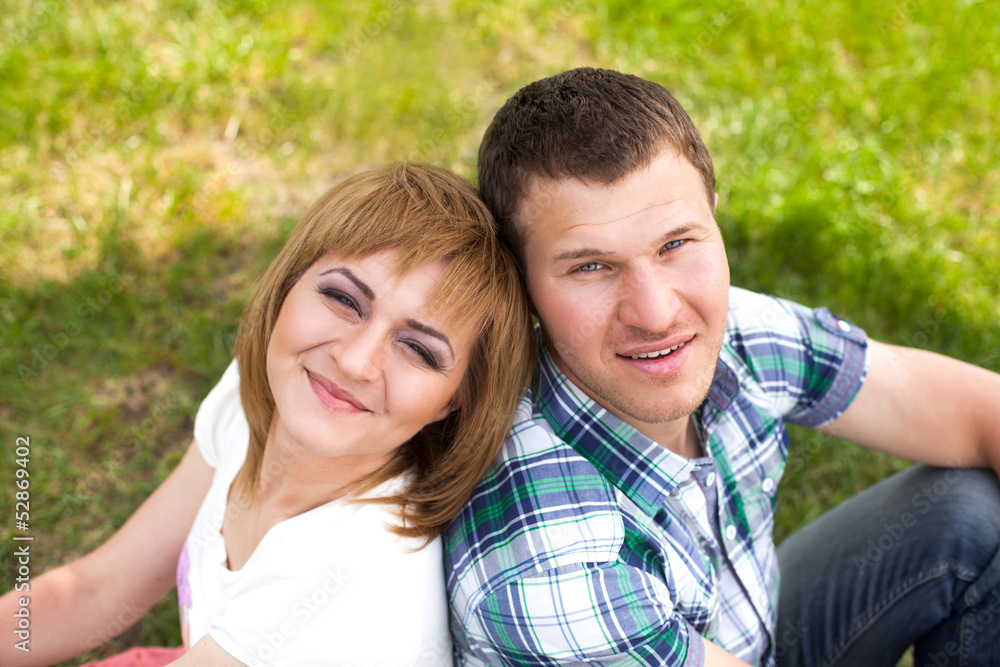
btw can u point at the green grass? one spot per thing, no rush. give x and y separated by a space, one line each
153 155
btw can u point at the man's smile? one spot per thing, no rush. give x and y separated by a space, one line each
657 353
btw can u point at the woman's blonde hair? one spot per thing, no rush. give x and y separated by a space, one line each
425 214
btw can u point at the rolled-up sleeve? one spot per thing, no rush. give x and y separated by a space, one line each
835 356
589 613
809 361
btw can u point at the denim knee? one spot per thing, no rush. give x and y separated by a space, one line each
968 518
958 509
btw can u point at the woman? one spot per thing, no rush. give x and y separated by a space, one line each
379 364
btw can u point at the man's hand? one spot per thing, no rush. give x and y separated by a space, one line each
718 657
925 407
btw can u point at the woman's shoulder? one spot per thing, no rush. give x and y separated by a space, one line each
374 523
221 423
346 580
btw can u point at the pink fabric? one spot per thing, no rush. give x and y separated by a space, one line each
184 578
146 656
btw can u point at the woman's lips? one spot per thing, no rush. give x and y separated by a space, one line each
333 397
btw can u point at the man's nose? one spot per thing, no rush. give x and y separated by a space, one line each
360 355
648 300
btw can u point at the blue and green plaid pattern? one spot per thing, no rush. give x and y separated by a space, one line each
589 543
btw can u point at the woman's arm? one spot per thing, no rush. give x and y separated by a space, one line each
206 653
84 603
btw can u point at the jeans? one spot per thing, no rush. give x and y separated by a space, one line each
914 560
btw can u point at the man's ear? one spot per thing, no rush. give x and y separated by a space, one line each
715 204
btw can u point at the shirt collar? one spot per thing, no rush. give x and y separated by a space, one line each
643 470
726 383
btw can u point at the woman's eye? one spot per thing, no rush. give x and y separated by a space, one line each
341 298
425 355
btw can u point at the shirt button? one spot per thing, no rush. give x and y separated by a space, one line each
731 532
710 480
843 326
768 485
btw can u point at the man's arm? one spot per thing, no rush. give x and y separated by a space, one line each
925 407
601 614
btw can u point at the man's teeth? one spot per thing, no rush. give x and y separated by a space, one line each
658 353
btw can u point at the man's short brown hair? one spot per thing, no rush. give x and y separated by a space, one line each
593 125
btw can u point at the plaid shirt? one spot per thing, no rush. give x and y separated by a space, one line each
589 543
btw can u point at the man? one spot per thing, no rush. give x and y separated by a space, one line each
628 519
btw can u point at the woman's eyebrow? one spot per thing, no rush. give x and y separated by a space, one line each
430 331
360 284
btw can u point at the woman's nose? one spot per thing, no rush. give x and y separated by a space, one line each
360 356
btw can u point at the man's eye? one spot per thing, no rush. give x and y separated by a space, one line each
589 266
670 245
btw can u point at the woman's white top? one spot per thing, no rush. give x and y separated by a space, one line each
331 586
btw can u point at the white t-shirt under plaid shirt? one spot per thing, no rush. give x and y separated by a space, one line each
589 543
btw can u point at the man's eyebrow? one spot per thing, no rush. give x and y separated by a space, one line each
360 284
686 228
582 253
430 331
585 253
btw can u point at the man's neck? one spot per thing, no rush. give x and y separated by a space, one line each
679 436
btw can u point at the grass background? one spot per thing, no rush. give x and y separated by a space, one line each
154 155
